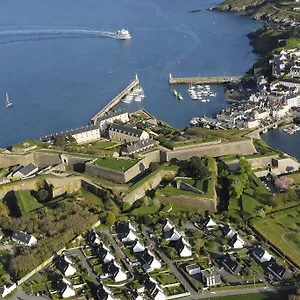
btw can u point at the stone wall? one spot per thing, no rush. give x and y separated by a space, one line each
61 185
122 177
256 163
244 147
7 160
45 159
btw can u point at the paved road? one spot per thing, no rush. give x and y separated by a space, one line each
20 295
173 268
91 273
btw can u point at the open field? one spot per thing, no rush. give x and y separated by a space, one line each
26 202
115 164
282 229
261 296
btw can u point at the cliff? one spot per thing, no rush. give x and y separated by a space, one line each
273 11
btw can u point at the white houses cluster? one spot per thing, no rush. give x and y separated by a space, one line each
180 244
128 235
234 239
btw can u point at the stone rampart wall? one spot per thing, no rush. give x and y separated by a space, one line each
244 147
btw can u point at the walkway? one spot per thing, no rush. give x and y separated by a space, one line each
204 80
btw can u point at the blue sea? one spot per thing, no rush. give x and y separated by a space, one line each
59 69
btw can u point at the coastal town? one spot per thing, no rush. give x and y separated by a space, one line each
129 207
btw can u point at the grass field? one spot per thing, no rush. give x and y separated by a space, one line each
115 164
261 296
250 206
282 229
26 202
91 198
145 210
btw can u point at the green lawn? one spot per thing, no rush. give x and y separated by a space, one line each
4 262
250 206
91 198
165 278
26 202
295 177
145 210
115 163
284 224
261 296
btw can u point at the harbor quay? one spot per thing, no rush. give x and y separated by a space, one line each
204 80
116 99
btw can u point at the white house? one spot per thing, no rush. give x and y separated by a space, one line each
261 255
126 134
104 254
7 289
23 238
252 123
209 223
103 293
154 290
138 247
295 71
66 266
129 236
149 262
211 277
236 242
136 296
172 235
293 102
280 111
23 172
183 248
193 269
65 288
167 226
93 237
116 272
228 231
112 116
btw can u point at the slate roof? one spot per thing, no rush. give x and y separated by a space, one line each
181 244
110 114
112 268
27 169
150 284
92 235
276 268
63 264
147 257
101 251
101 293
231 264
226 229
139 145
69 132
126 130
259 252
21 236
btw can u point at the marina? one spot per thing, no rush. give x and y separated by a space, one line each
116 100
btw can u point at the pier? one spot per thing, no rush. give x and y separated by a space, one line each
117 99
204 80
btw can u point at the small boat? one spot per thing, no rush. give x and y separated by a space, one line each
180 97
194 97
8 104
175 93
203 100
123 35
138 98
207 100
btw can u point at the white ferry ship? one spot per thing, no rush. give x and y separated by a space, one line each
123 34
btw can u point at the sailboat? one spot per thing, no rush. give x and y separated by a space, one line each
8 104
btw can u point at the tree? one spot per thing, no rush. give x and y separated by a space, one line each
197 169
110 218
153 166
236 188
42 195
60 141
244 166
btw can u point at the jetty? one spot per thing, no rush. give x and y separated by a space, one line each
117 99
204 80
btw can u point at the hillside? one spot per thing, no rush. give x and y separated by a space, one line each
275 11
